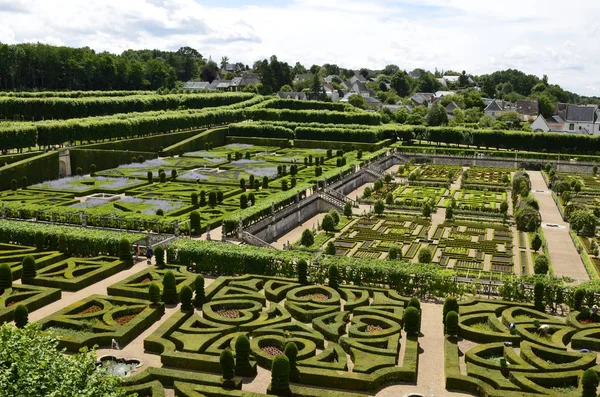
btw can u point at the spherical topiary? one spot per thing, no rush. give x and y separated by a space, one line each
154 292
227 368
302 272
195 223
125 251
334 276
450 305
412 320
63 244
414 302
79 171
242 357
21 316
395 253
280 375
185 296
425 255
159 253
199 284
589 383
5 276
40 241
170 295
29 271
452 323
291 352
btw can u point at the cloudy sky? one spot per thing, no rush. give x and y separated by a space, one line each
549 37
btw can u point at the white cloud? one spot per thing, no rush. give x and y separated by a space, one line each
448 34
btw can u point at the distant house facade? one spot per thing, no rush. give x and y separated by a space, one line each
423 98
580 119
494 108
235 84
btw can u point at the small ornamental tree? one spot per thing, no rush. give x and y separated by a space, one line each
302 272
425 255
307 238
333 275
242 357
243 184
5 276
194 197
536 242
202 198
154 292
251 199
284 185
79 171
389 199
265 182
504 207
170 295
328 224
541 265
195 223
162 177
220 196
92 169
412 319
21 316
251 181
13 185
39 241
414 302
589 383
449 213
348 209
452 323
336 217
185 296
379 207
212 199
29 271
199 298
150 177
291 352
538 296
395 253
578 296
63 244
450 305
280 376
227 368
159 253
125 251
24 182
330 248
426 210
243 201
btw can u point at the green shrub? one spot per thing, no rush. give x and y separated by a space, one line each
160 212
589 383
280 375
79 171
291 352
336 217
21 316
169 288
154 292
536 242
541 265
62 243
425 255
395 253
185 296
13 185
452 323
92 169
578 296
308 238
333 276
538 296
199 287
414 302
265 182
29 271
302 272
5 276
202 198
450 305
348 209
125 251
330 248
212 199
412 320
173 175
40 241
162 177
328 224
243 184
242 357
24 182
227 367
195 223
194 198
379 207
159 254
150 177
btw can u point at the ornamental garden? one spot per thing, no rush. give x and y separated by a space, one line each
422 269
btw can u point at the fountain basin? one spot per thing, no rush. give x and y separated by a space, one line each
118 366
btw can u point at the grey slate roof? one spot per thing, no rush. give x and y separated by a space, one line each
451 106
580 114
422 97
493 107
196 85
301 96
528 107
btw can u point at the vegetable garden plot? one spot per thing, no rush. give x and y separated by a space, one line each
493 177
477 200
439 173
415 196
306 315
474 246
531 362
372 238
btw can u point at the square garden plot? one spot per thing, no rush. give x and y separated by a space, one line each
98 319
82 186
30 296
136 286
74 274
179 164
415 196
231 149
531 363
369 342
13 256
477 200
438 173
49 199
492 177
373 237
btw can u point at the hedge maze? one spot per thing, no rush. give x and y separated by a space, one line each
335 331
136 286
490 359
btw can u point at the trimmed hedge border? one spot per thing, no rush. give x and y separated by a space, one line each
44 296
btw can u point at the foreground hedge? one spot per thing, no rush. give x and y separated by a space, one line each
81 242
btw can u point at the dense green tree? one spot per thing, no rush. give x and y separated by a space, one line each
185 296
5 276
379 207
412 320
589 383
227 363
242 357
583 223
308 238
330 248
437 115
536 242
541 265
154 292
159 254
333 275
328 224
302 272
401 84
425 255
358 101
452 323
348 209
395 253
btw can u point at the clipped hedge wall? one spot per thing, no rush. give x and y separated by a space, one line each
37 297
260 130
293 104
148 143
37 169
215 136
318 116
17 135
104 159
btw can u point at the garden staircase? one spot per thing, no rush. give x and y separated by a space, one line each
339 203
253 240
340 196
375 171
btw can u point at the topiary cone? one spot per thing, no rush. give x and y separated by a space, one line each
5 276
170 295
29 271
21 316
243 367
280 376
